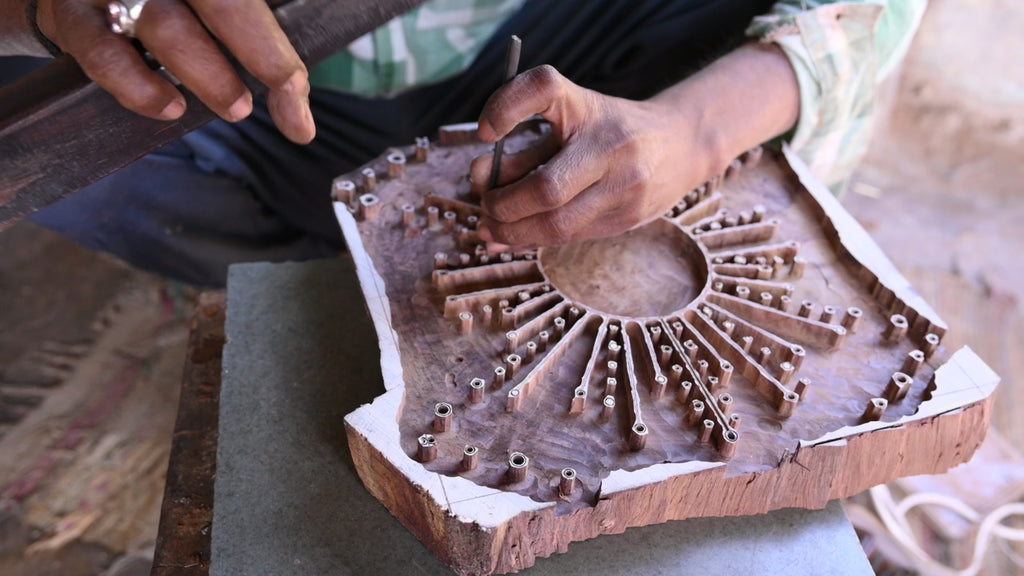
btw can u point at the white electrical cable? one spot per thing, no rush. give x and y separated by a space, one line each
894 517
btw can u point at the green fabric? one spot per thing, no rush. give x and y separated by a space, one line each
432 43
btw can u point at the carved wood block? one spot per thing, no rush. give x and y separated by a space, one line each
751 350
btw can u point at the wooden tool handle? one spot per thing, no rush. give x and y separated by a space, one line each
60 132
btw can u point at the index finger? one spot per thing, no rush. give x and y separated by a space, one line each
571 171
540 90
251 33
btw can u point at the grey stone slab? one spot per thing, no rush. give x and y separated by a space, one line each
301 354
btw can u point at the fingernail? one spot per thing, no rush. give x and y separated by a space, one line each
241 108
174 110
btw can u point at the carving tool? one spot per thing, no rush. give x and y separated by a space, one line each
515 46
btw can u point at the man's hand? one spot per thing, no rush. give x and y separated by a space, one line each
612 164
182 35
609 165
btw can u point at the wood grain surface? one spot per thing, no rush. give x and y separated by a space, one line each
798 371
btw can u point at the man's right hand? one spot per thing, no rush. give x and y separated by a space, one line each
182 35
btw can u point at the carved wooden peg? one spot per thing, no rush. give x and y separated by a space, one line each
567 483
683 394
369 179
675 374
466 323
746 342
735 420
707 427
695 412
513 361
408 215
658 387
725 403
610 384
638 436
422 149
786 371
369 207
607 407
852 318
396 165
797 270
725 371
913 362
803 386
531 351
691 350
470 455
442 417
827 314
559 328
343 191
665 354
931 343
579 400
727 442
876 407
783 303
514 401
427 448
518 466
758 213
898 387
612 368
613 350
499 376
896 329
806 307
476 391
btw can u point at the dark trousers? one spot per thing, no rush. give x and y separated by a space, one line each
241 192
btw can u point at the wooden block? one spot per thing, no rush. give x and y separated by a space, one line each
692 282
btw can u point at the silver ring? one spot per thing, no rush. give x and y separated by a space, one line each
124 16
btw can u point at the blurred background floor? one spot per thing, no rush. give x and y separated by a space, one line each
91 351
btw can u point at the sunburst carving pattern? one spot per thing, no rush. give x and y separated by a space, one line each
687 339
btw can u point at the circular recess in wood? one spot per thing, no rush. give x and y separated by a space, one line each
650 271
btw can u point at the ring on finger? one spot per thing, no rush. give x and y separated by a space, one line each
123 16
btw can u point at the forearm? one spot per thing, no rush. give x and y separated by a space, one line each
16 35
741 100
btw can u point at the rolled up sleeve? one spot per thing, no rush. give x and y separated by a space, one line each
840 52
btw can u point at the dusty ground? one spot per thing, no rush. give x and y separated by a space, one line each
91 351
